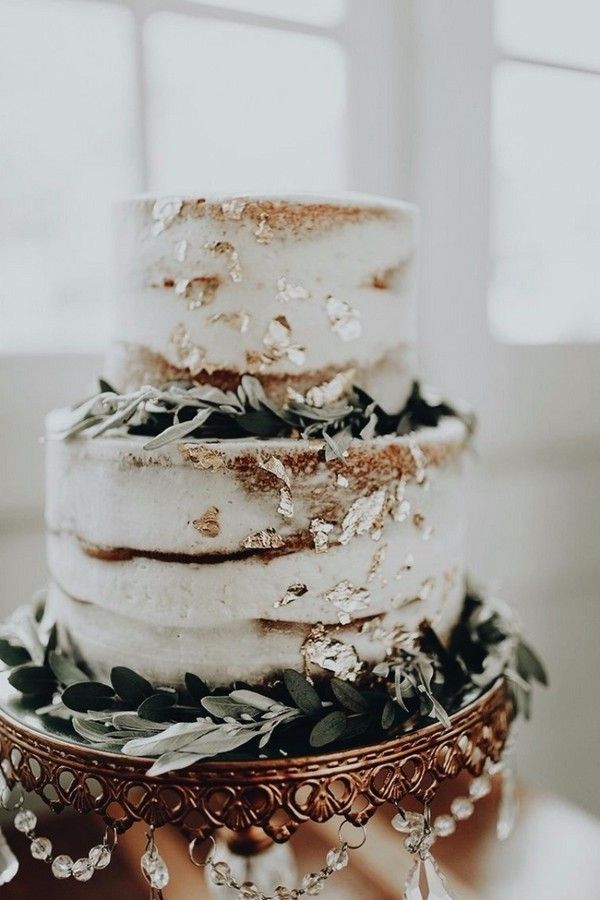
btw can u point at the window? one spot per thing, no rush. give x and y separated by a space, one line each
545 182
99 100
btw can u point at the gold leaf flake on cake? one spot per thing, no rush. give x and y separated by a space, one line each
202 457
286 291
399 505
327 393
320 531
342 481
233 209
365 516
240 319
277 468
278 344
376 562
295 590
268 539
180 250
263 232
198 291
226 249
420 460
348 600
164 213
344 319
189 355
333 656
208 523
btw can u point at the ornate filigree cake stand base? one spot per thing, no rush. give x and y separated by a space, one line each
258 800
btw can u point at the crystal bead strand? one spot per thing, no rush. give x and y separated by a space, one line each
220 874
154 868
425 881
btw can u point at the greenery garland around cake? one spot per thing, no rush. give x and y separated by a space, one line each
422 681
182 409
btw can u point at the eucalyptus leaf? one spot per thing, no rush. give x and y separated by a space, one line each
329 729
388 716
175 737
172 761
302 693
158 706
224 707
12 654
65 670
195 687
30 679
88 695
348 697
130 686
529 664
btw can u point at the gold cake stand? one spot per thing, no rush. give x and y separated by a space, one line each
260 800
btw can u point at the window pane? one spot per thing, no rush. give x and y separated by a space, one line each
554 30
317 12
546 198
67 148
243 108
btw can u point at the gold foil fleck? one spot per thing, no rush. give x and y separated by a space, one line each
240 320
226 249
365 516
203 457
277 341
286 291
342 481
164 213
233 209
263 232
376 562
320 531
327 393
344 319
208 523
180 250
333 656
189 355
295 590
348 600
268 539
400 506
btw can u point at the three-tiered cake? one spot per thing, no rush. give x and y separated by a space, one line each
316 546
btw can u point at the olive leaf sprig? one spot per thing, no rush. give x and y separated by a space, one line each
182 409
423 680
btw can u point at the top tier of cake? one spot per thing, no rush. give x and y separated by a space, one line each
294 291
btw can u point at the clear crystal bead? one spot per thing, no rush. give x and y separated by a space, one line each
509 804
62 866
9 864
220 872
426 882
337 858
461 808
155 869
249 891
25 821
99 856
419 841
313 883
82 869
444 826
480 787
41 848
284 893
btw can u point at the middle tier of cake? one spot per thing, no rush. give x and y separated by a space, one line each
240 558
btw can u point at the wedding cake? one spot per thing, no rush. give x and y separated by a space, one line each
260 485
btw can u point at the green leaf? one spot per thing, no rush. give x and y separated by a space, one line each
32 679
130 686
88 695
355 726
329 729
105 387
388 716
66 672
529 664
195 687
51 645
157 707
348 697
13 655
302 693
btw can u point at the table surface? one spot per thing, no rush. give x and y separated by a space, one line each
552 853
